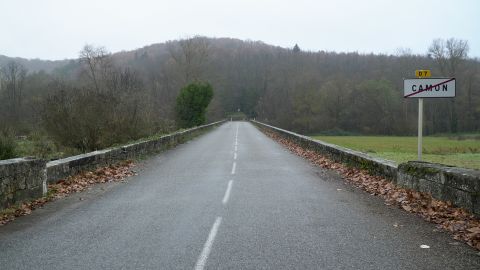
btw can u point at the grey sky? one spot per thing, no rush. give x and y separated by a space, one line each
57 29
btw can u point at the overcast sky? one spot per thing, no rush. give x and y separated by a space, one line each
57 29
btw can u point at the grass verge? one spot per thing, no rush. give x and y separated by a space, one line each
446 150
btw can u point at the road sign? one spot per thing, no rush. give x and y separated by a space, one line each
423 73
425 87
429 88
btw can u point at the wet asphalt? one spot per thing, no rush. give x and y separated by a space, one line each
280 212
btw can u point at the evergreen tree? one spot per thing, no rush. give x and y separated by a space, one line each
192 103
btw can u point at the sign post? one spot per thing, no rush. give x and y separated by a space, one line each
425 87
420 128
421 74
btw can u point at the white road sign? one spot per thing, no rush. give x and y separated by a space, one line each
429 88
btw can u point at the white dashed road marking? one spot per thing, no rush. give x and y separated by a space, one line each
202 259
234 167
227 192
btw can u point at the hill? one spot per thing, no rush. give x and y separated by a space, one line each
305 91
35 65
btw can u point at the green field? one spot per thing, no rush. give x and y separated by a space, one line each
446 150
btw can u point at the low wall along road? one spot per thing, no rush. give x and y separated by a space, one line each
23 179
458 185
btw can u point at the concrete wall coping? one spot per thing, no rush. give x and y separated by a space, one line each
15 160
77 157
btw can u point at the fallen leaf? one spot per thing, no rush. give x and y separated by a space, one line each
463 226
69 185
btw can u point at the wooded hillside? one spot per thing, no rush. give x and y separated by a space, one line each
102 98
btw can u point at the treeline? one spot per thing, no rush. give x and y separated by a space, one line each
101 99
314 92
97 105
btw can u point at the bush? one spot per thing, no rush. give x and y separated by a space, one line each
192 103
43 147
7 145
87 120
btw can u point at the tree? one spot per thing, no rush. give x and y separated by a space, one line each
192 103
96 61
374 107
13 77
296 49
449 54
191 56
335 101
113 107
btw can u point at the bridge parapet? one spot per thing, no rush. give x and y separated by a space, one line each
460 186
23 179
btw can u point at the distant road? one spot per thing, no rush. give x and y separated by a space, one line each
230 199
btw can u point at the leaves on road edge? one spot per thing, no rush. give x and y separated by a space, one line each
463 225
69 185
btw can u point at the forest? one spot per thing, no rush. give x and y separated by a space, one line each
103 98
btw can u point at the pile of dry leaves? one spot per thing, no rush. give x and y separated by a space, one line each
459 222
72 184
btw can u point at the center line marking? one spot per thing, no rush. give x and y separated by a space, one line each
234 167
235 155
227 192
202 259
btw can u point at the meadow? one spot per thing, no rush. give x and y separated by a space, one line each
461 151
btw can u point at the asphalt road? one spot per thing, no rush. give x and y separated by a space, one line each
229 199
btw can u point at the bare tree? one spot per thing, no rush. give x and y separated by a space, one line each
97 62
191 55
457 51
403 51
449 54
13 76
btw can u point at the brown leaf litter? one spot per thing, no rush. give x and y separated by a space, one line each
69 185
459 222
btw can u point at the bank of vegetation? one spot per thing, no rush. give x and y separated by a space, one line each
101 99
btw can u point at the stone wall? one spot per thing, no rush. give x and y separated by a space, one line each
62 168
26 178
358 159
460 186
21 179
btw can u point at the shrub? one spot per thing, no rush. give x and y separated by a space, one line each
87 120
7 145
192 103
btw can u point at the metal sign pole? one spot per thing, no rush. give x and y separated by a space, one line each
420 128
